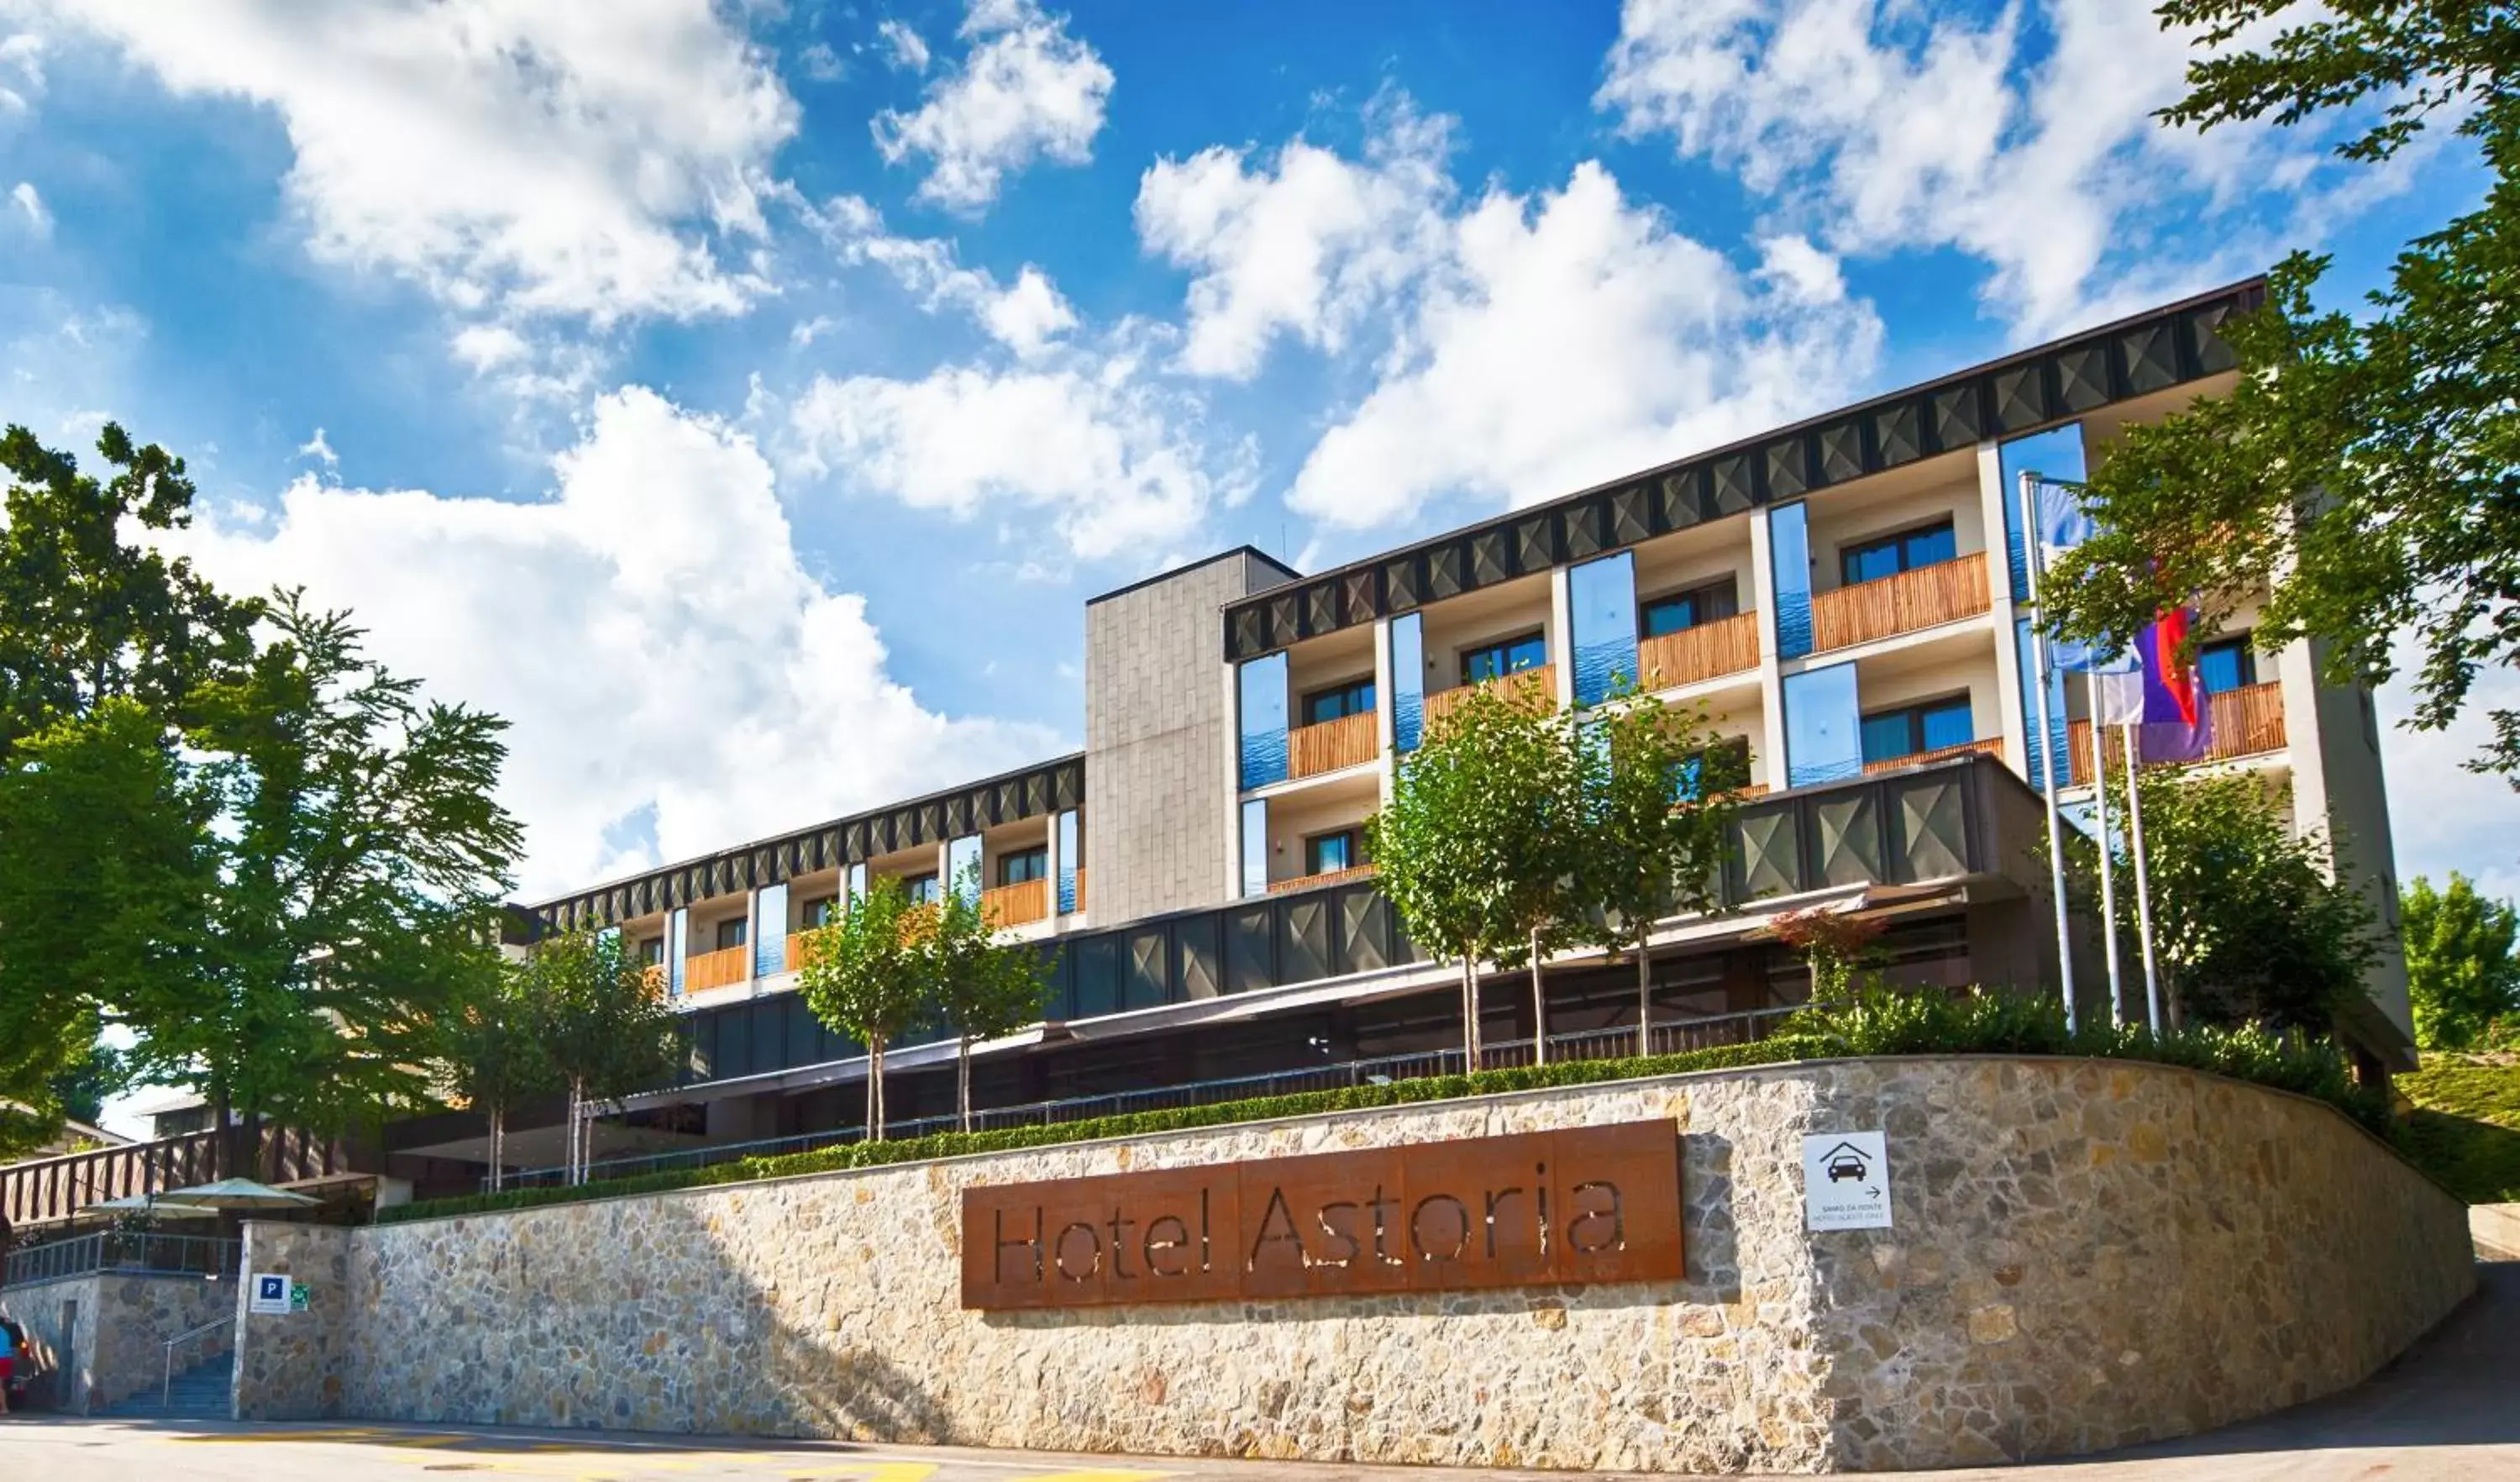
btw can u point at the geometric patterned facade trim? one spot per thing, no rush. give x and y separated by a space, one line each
1047 788
2026 392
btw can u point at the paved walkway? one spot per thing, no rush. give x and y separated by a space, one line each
2450 1410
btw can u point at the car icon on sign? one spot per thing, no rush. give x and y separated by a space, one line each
1844 1163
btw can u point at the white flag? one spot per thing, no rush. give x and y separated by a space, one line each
2117 698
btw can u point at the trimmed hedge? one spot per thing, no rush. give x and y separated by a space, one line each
1874 1021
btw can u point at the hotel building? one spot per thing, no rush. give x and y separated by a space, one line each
1845 597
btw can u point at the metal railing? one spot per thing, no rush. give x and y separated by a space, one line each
140 1252
166 1385
1672 1037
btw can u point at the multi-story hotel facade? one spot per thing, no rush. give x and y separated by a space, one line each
1845 598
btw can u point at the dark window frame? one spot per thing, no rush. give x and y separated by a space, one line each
1914 713
1354 838
2239 644
1347 691
1899 541
1729 586
1503 649
1014 857
743 933
829 905
913 885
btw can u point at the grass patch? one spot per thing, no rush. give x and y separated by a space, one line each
1874 1022
2463 1127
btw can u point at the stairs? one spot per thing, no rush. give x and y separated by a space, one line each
198 1393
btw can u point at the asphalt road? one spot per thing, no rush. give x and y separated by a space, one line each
2447 1412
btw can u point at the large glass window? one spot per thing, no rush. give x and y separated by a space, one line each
1822 743
1263 684
1070 860
1889 554
963 866
1325 853
652 951
1255 847
770 931
1602 607
856 888
1355 697
1408 680
1510 656
1022 865
2227 664
1682 610
1789 560
1889 735
730 935
678 947
818 911
921 888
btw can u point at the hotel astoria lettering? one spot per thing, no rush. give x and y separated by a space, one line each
1584 1204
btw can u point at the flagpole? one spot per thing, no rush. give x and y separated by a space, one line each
2108 875
2048 752
2143 884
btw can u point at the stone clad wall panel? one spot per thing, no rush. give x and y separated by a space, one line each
2083 1255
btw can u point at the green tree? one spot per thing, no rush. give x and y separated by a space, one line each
1658 793
982 986
2461 972
1478 847
85 616
2366 470
490 1051
106 870
866 974
2248 924
359 865
600 1021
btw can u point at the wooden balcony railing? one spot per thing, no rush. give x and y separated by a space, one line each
1541 681
1326 877
1942 592
722 968
1727 646
1004 907
1331 745
795 955
1991 747
2248 720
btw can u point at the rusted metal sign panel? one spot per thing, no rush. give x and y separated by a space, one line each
1543 1208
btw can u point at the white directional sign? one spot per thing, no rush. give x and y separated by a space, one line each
1846 1181
270 1296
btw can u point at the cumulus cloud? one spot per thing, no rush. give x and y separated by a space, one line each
30 205
320 450
21 73
1882 130
1027 91
1026 317
516 159
902 46
666 661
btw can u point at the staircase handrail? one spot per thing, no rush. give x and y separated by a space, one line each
166 1388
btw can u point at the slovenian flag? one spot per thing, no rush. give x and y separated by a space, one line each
2178 722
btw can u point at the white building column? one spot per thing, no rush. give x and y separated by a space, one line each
1385 738
1561 635
1772 691
1993 500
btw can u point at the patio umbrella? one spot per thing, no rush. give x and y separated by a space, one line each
148 1203
239 1193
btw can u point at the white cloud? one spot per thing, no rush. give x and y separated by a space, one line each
2443 817
822 63
515 159
488 348
317 448
1114 458
648 628
31 204
1305 244
1882 130
903 47
21 73
1025 317
1027 91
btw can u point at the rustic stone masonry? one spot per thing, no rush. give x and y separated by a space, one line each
2084 1255
101 1338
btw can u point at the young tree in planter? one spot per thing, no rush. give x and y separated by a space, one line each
868 975
1658 793
491 1053
983 987
599 1022
1478 847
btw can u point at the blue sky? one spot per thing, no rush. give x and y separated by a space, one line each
743 398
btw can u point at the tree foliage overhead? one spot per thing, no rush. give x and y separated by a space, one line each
2463 973
868 975
2365 471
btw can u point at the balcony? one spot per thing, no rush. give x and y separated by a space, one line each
2248 720
1540 681
1006 907
1727 646
1332 745
1990 748
1326 877
722 968
1928 596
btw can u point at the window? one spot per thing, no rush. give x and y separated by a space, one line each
1890 554
1682 610
1890 735
1326 853
2227 664
652 951
729 933
1023 865
1339 701
921 888
1510 656
818 913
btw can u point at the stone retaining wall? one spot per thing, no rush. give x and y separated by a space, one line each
2084 1255
101 1338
